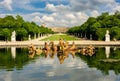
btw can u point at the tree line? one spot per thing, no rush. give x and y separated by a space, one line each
23 28
96 27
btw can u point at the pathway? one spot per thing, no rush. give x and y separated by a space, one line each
37 42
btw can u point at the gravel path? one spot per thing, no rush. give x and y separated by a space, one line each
78 42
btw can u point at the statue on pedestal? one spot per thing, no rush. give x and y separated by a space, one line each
107 36
13 37
29 37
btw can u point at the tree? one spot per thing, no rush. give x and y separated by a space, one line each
115 32
6 33
22 28
95 26
98 26
21 33
100 34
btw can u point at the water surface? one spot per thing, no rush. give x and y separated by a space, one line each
15 65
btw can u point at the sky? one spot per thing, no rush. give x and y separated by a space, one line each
58 13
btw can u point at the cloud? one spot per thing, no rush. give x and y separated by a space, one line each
116 7
23 4
2 15
50 7
62 15
77 11
48 18
70 16
72 13
61 19
88 5
7 4
57 8
37 19
95 13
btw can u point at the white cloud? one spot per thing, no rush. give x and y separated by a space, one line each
116 7
58 8
95 13
36 19
76 12
105 1
54 14
47 18
36 14
81 5
2 15
64 16
50 7
81 15
70 16
61 19
23 4
7 4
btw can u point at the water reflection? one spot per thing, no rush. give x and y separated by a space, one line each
107 51
62 55
105 59
16 58
13 52
13 58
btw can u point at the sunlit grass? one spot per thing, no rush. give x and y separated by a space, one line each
63 36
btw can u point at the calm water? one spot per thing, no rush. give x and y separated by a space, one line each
15 65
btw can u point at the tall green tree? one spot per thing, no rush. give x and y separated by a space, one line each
22 28
97 26
21 33
115 32
6 33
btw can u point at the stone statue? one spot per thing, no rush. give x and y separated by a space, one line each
107 36
107 31
13 37
29 37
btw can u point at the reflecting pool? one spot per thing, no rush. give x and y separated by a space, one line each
16 65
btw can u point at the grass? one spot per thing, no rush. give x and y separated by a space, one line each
63 36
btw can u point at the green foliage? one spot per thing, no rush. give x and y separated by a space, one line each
115 32
100 34
9 23
97 26
6 33
21 32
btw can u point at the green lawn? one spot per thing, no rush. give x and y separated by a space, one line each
63 36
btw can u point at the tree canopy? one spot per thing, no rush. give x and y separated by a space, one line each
23 28
97 26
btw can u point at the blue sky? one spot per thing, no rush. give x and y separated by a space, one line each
58 13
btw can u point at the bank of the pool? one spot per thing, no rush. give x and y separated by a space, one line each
82 42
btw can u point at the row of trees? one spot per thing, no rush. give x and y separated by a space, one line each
96 27
9 23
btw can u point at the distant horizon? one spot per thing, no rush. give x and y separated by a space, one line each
58 13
